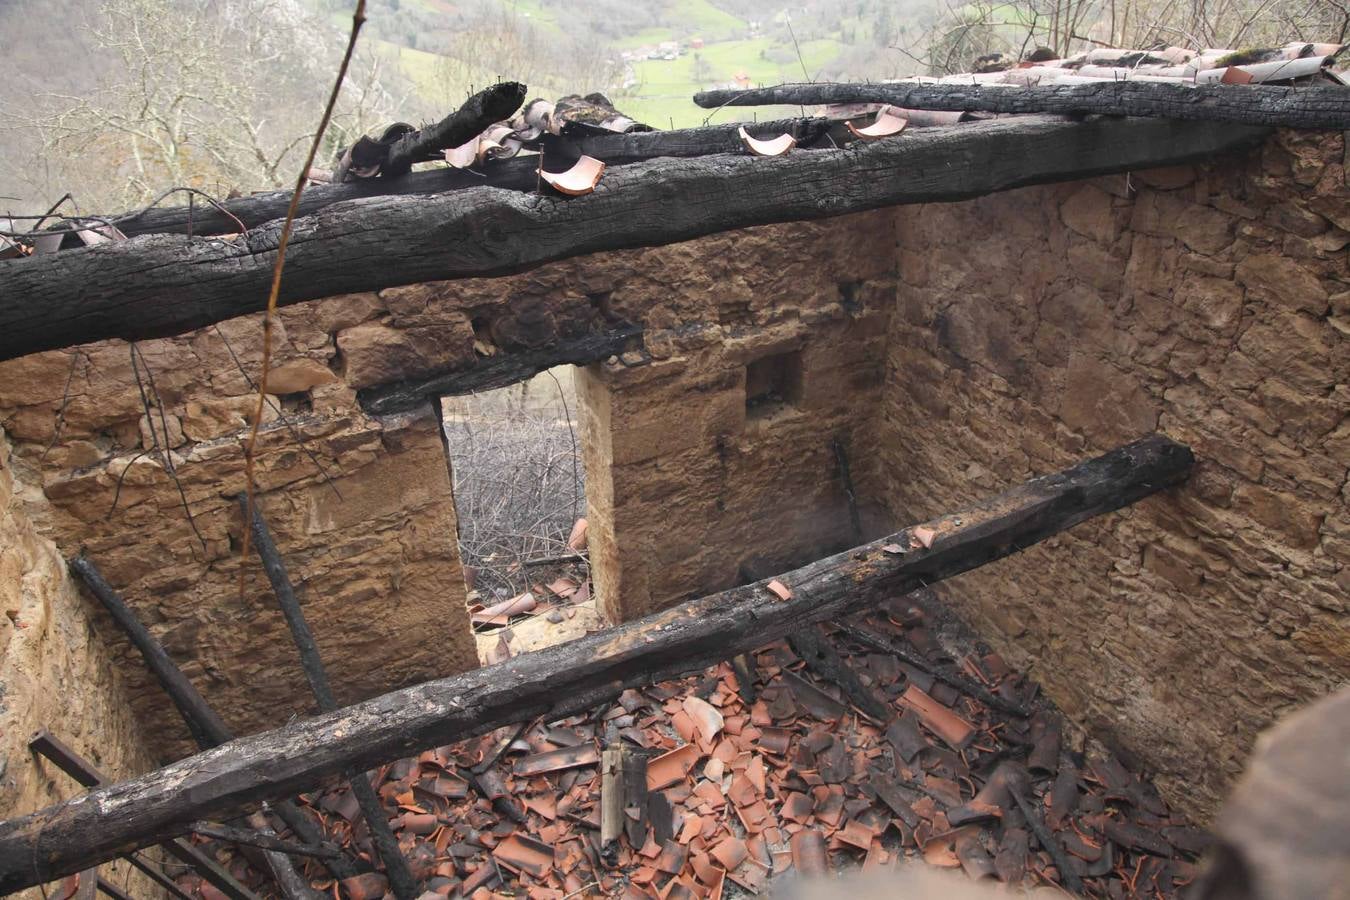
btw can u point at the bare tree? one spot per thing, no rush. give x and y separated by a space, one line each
216 96
964 31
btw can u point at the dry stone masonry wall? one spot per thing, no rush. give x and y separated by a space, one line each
1040 326
361 508
55 673
949 351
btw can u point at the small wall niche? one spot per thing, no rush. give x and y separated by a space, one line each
773 385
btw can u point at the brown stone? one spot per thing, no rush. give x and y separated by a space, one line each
1090 211
1105 403
1201 228
1269 277
298 375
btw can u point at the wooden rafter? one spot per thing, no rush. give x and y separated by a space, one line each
158 285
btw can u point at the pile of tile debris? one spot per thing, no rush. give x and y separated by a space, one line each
750 784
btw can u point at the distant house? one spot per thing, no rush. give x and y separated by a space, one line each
696 43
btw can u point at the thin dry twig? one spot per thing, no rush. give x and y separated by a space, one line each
358 19
164 450
65 401
281 415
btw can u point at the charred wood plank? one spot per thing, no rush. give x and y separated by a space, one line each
635 146
1305 106
518 174
521 174
157 285
962 683
326 850
68 760
504 368
401 880
1032 813
623 786
487 107
207 728
567 678
824 660
154 874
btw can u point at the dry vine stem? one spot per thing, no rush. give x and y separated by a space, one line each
358 19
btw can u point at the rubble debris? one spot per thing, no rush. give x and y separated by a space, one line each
794 781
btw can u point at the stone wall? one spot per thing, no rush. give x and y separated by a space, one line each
710 458
55 673
361 508
1038 327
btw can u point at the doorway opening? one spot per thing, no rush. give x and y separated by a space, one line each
520 501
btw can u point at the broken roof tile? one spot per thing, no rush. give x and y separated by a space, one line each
555 760
809 856
949 726
665 770
730 852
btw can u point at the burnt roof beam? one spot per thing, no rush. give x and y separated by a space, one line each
567 678
160 285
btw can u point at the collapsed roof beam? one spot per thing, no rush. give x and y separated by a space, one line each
567 678
504 368
158 285
518 174
1305 106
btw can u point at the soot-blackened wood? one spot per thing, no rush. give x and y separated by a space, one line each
519 174
961 683
824 660
618 149
207 728
485 108
68 760
1032 813
1304 106
159 285
401 880
154 874
564 679
265 840
499 370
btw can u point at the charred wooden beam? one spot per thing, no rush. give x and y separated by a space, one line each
519 174
485 108
159 285
564 679
326 850
962 683
68 760
1305 106
504 368
167 884
207 727
635 146
401 880
824 660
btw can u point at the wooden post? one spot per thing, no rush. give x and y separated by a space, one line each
401 880
623 786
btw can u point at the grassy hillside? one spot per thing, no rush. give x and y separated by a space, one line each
656 91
